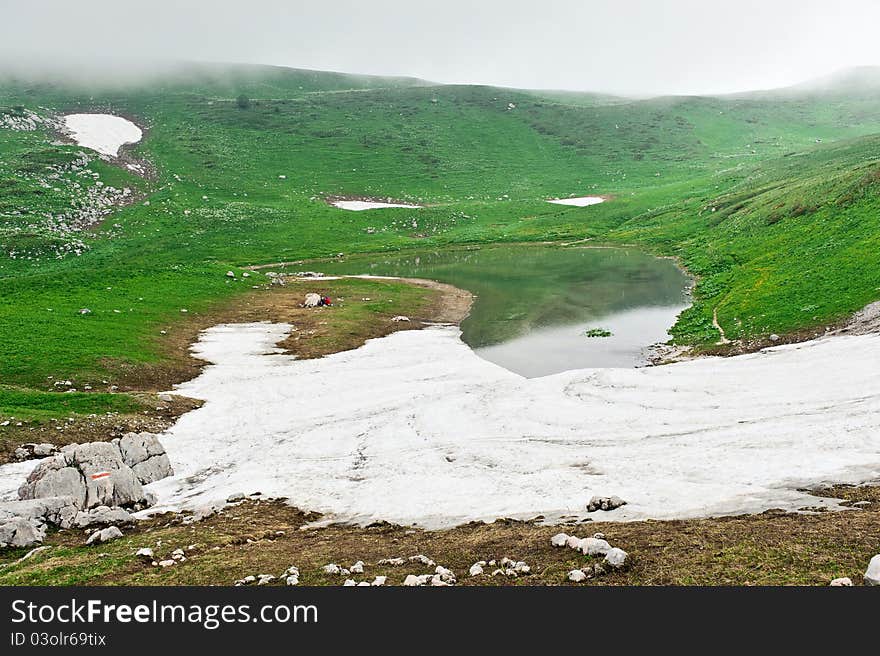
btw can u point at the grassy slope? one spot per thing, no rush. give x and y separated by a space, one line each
791 242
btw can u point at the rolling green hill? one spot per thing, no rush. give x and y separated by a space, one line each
771 199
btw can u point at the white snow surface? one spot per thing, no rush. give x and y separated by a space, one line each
104 133
583 201
415 428
361 205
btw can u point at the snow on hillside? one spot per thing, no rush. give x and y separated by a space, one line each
104 133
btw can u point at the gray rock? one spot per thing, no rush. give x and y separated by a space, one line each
312 300
54 510
92 474
102 516
617 558
146 456
872 574
54 478
594 547
19 532
605 503
104 535
843 582
33 450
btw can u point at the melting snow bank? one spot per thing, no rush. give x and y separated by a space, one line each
415 428
104 133
583 201
361 205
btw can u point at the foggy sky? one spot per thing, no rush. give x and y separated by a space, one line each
623 46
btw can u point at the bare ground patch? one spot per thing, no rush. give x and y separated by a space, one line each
267 537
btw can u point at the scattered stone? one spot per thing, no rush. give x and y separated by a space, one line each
573 542
605 503
357 568
399 317
144 552
393 562
844 582
424 560
263 579
446 576
577 576
559 540
617 558
312 300
331 568
594 547
476 569
104 535
230 274
872 574
31 450
412 580
234 498
774 337
102 516
379 580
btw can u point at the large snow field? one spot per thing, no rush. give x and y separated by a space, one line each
104 133
415 428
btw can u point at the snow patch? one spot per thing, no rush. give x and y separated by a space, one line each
104 133
361 205
583 201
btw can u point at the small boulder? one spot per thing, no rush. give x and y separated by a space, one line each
20 532
617 558
577 575
605 503
559 540
102 516
594 547
104 535
312 300
844 582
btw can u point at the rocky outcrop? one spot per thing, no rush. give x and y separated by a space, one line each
93 474
85 485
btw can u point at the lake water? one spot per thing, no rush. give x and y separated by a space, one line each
535 304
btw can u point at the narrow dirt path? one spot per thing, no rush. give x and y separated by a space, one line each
718 327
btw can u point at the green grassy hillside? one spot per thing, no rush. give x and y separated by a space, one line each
771 199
